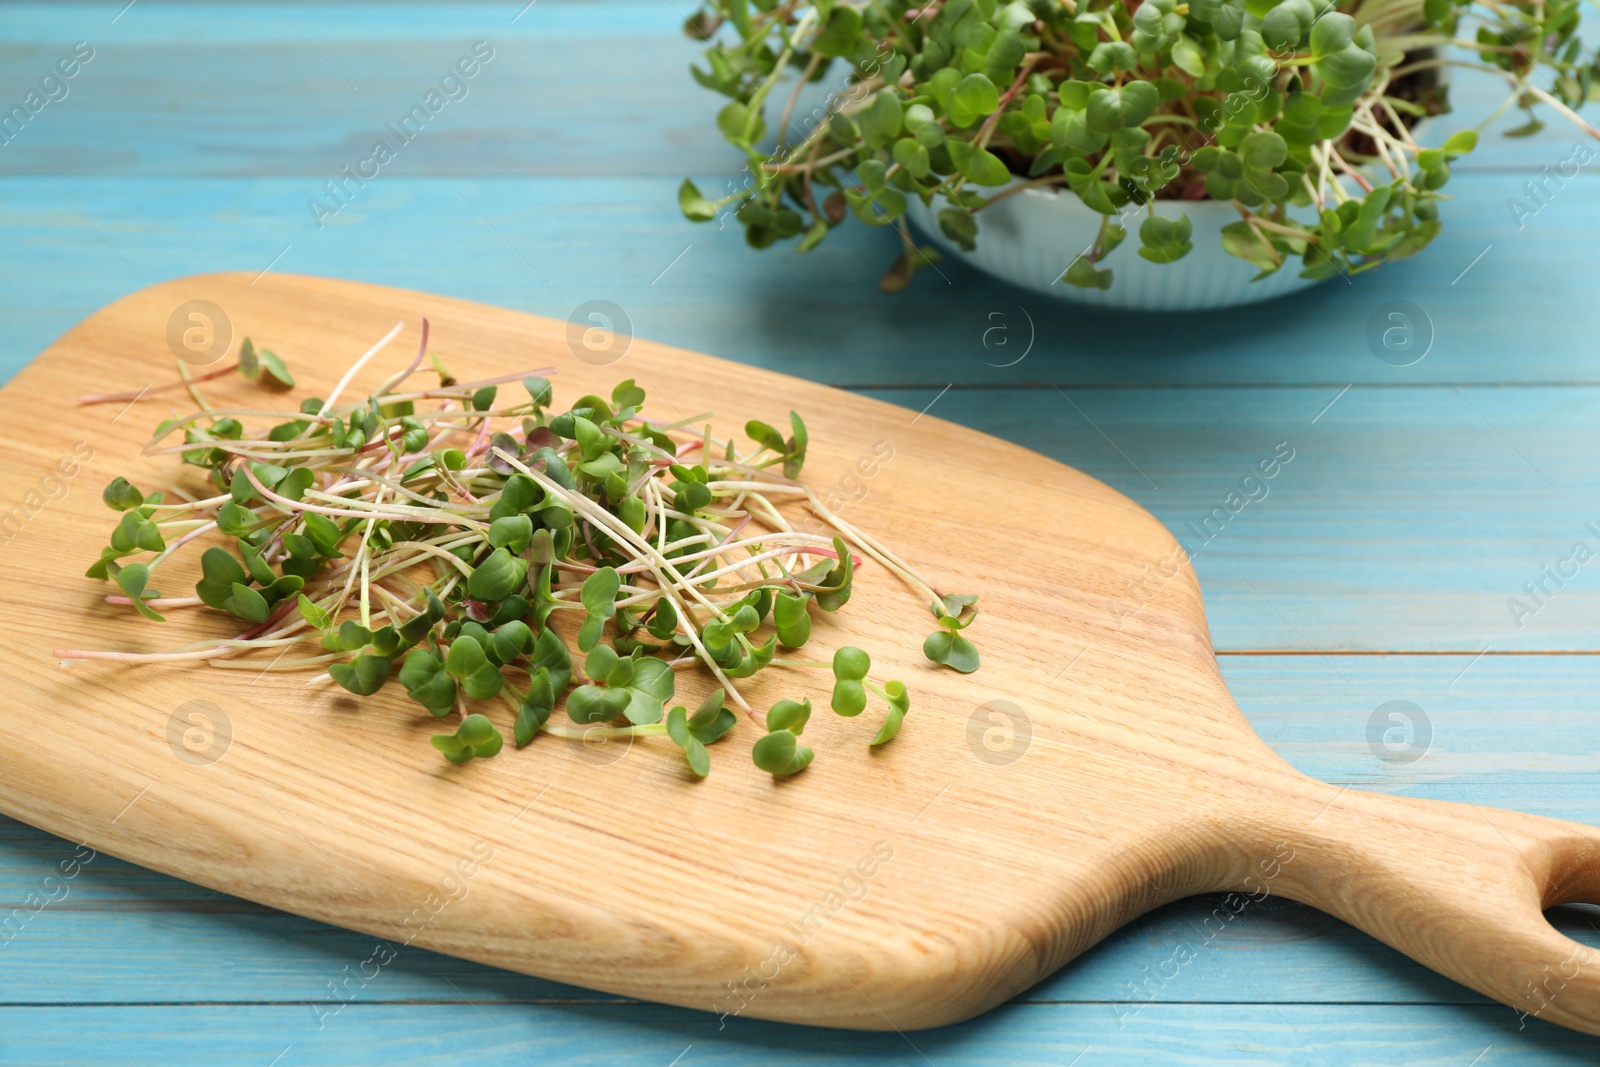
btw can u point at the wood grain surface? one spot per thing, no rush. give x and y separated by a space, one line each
1093 770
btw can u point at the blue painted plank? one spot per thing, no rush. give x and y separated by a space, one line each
1521 726
192 90
548 245
239 953
1407 519
1239 1035
258 89
351 23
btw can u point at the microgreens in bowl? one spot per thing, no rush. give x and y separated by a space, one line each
1297 112
435 536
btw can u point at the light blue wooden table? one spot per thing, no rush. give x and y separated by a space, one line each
1420 500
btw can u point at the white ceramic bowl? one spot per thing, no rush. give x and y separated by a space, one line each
1030 238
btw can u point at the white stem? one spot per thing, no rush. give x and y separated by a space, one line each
355 368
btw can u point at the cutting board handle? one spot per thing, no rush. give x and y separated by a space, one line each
1458 887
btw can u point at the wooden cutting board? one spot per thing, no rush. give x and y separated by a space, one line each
1093 769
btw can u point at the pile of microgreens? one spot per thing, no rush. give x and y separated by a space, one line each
1298 112
432 535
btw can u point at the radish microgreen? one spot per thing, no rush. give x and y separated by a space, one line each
946 645
453 538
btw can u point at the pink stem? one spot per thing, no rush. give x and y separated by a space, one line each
107 398
190 536
283 608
